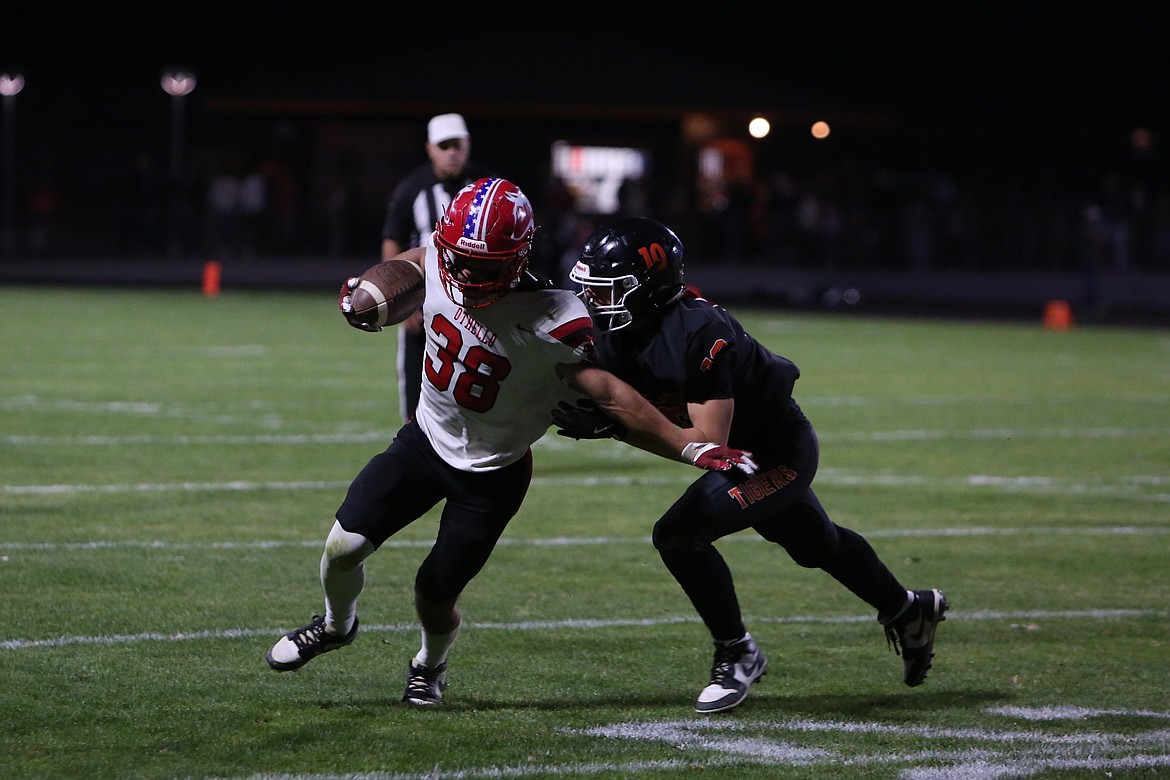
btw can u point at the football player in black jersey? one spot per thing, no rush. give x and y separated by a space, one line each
695 362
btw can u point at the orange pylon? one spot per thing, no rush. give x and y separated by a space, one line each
211 277
1057 316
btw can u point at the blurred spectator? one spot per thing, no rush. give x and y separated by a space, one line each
224 212
918 228
574 231
253 205
633 200
559 239
818 213
344 205
1160 233
44 205
778 221
1115 214
139 203
724 207
279 231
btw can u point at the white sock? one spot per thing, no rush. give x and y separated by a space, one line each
435 648
343 575
341 591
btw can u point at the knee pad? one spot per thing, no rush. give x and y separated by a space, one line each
346 550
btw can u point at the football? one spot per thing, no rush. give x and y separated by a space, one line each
388 293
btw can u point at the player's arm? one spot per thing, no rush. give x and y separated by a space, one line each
390 249
710 427
414 255
645 426
711 420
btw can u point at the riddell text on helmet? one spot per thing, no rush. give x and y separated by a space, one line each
472 244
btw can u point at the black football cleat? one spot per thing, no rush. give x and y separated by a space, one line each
425 686
297 648
913 629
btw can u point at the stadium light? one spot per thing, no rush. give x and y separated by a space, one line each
178 84
10 86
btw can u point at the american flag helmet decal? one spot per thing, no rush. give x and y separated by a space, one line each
475 225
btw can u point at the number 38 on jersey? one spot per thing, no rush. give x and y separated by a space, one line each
477 387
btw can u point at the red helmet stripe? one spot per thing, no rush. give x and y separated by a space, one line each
476 225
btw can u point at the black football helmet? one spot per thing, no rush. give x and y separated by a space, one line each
630 269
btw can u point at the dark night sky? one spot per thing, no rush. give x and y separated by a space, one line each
1083 67
1083 55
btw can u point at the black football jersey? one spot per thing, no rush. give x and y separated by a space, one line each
699 353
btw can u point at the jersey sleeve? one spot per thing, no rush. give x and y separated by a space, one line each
568 327
710 357
577 335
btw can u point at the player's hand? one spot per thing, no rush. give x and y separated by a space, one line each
345 303
716 457
586 421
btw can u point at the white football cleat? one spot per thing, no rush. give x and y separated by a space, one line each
735 668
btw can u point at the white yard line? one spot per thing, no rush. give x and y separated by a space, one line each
281 439
583 624
983 754
972 754
576 541
551 442
1132 488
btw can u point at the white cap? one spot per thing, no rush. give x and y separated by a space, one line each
444 127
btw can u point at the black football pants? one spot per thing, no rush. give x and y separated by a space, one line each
401 484
779 503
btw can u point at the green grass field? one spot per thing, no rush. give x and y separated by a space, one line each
170 464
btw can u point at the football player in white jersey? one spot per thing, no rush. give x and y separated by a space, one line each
502 347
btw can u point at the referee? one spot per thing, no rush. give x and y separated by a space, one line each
414 208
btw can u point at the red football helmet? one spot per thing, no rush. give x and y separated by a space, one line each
483 239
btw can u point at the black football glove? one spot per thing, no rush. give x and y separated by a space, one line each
586 421
344 303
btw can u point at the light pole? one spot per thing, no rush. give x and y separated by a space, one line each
10 85
178 84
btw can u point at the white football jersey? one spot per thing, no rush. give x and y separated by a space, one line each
489 375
